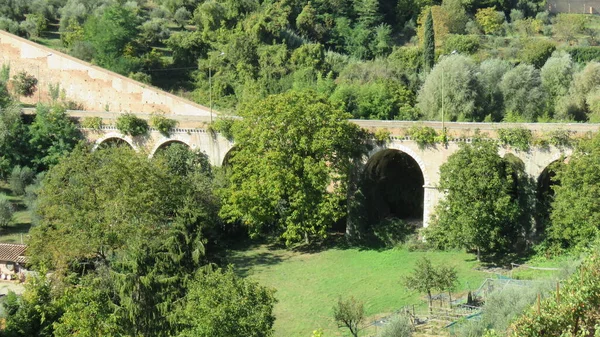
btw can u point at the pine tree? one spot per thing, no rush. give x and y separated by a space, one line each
368 12
428 44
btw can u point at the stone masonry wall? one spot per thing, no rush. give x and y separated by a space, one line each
94 88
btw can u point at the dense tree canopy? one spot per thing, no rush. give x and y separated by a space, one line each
291 165
575 212
481 209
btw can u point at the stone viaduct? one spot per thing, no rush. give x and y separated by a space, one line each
429 159
101 93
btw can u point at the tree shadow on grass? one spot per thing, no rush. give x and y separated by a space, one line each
6 233
244 263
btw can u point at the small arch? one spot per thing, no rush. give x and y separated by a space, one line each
393 183
114 139
161 145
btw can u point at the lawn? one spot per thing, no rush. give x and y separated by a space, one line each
17 231
309 284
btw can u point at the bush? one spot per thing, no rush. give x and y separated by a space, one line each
94 123
464 44
584 54
536 52
6 211
83 50
382 136
162 124
518 138
560 138
398 327
425 136
130 124
225 127
20 178
25 84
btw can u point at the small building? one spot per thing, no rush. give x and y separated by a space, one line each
12 261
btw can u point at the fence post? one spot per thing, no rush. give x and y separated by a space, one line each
539 300
557 292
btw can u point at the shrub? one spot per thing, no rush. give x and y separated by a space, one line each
584 54
536 52
382 136
398 327
94 123
130 124
225 127
560 138
490 20
464 44
518 138
25 84
6 211
162 124
20 178
425 136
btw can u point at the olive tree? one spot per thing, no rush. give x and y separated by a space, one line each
453 86
524 97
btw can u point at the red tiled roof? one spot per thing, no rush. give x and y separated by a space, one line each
13 252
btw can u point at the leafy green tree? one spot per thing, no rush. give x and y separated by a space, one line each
14 140
490 20
571 312
490 74
20 177
537 52
427 278
480 210
429 44
131 226
453 85
556 76
280 175
52 136
33 313
523 94
181 160
110 32
162 124
222 304
187 47
25 84
349 314
7 211
574 213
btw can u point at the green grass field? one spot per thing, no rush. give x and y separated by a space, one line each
18 230
308 285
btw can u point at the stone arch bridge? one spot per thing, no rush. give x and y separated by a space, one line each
426 161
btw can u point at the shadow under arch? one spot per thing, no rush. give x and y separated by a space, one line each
228 156
113 141
393 182
545 194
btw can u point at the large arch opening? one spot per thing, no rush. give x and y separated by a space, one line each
392 184
545 195
114 142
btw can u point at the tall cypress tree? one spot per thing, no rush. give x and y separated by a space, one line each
428 44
